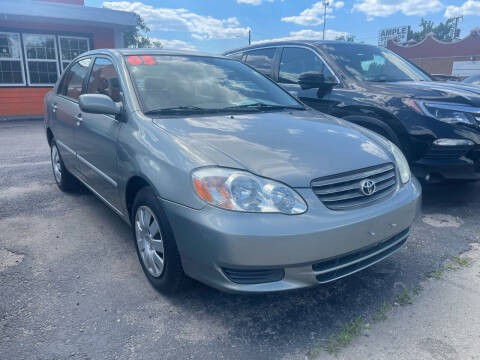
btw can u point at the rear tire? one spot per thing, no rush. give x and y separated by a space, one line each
156 247
64 179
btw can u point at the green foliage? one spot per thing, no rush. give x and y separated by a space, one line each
443 31
138 38
348 37
349 332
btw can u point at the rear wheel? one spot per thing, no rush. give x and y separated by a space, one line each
155 244
64 179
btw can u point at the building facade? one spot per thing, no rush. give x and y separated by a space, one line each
39 38
461 57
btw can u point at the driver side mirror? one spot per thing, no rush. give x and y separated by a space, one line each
99 104
314 80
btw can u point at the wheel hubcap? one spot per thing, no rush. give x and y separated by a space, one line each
57 168
149 241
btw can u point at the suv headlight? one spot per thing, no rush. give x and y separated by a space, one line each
449 113
240 190
402 163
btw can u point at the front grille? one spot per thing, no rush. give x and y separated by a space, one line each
255 276
333 269
446 152
343 191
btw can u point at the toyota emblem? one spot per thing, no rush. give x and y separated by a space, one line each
368 187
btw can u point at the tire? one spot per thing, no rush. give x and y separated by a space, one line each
64 179
155 244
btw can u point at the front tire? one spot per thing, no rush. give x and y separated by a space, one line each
64 179
155 244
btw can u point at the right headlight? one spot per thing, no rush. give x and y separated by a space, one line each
402 163
448 113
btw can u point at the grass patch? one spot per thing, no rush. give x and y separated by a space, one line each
404 298
381 314
346 335
462 261
437 274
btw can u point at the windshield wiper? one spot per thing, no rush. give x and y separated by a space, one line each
177 109
260 106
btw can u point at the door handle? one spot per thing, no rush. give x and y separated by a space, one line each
54 107
79 119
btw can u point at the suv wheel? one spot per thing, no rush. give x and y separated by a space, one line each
155 244
64 179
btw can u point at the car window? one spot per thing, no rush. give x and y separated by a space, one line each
296 61
237 56
73 79
104 80
261 60
202 83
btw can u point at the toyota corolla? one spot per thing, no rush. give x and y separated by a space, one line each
223 176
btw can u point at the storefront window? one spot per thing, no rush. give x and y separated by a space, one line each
71 47
41 57
11 66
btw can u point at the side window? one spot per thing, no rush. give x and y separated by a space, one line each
261 60
237 56
296 61
72 82
104 80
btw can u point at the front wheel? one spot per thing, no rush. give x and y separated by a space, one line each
65 181
155 244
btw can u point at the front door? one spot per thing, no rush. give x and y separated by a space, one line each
65 108
297 60
96 135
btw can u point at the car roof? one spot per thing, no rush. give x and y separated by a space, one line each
293 42
150 51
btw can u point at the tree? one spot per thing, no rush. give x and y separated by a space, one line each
443 31
348 37
138 38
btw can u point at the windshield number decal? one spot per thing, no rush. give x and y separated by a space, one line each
141 60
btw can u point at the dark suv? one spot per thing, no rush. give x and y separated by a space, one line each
437 125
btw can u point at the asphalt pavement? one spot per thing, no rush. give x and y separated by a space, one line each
71 286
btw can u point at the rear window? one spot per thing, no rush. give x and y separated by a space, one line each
261 60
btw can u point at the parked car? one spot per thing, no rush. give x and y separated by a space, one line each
447 78
437 125
223 175
472 80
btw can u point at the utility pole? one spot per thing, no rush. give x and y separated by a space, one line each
325 3
249 36
456 25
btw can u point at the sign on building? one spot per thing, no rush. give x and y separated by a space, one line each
399 34
466 68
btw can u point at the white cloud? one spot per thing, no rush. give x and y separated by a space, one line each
383 8
167 19
175 44
253 2
307 34
314 15
470 7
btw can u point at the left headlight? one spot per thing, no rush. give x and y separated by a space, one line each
402 163
240 190
448 113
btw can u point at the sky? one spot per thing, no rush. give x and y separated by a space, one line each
219 25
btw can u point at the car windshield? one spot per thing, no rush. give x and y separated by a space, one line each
372 63
169 84
472 80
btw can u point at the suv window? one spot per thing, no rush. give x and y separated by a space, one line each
296 61
237 56
104 80
261 60
73 80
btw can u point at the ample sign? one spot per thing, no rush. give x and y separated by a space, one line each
466 68
399 34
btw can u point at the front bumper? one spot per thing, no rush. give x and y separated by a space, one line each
212 240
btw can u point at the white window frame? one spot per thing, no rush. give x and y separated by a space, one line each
60 37
13 59
27 60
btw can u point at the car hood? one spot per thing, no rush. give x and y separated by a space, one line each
292 147
432 91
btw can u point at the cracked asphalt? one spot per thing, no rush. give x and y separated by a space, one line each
71 286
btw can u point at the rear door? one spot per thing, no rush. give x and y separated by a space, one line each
96 134
65 108
297 60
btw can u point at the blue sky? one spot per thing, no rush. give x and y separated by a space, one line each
219 25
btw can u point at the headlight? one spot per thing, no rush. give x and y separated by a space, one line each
449 113
242 191
402 163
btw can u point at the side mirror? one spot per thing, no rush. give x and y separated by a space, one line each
313 80
99 104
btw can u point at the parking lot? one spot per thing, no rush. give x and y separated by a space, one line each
72 286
